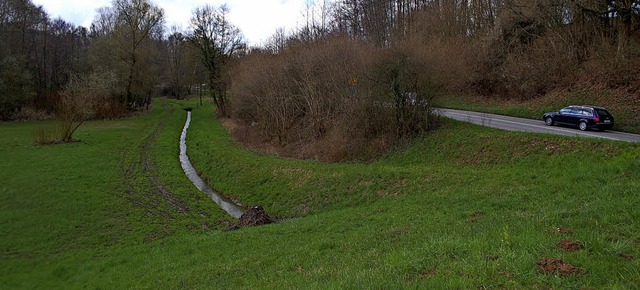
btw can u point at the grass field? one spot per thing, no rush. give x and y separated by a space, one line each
463 207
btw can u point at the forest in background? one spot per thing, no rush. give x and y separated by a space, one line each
344 86
127 46
356 79
50 68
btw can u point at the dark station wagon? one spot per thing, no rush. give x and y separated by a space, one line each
584 117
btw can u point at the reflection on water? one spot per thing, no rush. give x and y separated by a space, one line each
224 203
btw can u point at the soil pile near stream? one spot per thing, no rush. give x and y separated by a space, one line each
255 216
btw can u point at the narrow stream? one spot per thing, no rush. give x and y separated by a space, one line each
227 205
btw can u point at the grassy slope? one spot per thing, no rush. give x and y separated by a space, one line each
65 207
406 220
625 108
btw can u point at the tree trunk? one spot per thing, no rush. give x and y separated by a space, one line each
129 99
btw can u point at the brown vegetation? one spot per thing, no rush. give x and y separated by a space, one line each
338 92
333 100
355 80
82 98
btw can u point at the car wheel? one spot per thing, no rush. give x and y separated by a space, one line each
548 121
583 126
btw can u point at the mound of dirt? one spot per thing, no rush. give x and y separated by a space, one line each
558 266
569 245
255 216
475 215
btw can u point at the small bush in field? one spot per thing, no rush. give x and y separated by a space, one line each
44 135
81 100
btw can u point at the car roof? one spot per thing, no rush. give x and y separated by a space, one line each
577 106
586 106
594 107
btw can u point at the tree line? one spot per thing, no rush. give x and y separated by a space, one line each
358 76
352 73
388 22
128 45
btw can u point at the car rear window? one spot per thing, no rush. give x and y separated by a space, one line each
603 113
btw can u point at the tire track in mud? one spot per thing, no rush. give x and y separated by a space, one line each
142 182
149 167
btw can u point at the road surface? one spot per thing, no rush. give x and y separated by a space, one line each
529 125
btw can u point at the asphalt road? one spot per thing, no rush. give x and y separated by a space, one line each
529 125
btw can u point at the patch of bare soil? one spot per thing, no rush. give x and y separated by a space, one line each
557 266
626 256
254 216
475 215
429 273
569 245
420 275
491 257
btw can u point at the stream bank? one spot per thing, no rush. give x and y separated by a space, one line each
226 204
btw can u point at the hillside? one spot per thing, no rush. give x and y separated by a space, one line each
462 207
618 90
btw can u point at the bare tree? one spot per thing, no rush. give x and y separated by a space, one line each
278 41
217 39
137 20
104 22
176 43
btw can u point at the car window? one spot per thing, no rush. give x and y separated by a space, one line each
565 111
603 113
576 111
586 112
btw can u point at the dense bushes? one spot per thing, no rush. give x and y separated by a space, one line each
335 99
339 98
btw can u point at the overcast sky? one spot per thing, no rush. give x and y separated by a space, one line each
258 19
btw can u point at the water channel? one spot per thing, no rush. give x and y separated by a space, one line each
227 205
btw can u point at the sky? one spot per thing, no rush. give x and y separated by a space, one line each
257 19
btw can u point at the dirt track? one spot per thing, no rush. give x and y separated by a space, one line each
144 188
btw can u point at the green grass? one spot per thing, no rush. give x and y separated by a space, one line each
463 207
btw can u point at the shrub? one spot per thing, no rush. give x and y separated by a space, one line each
331 99
81 99
45 134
